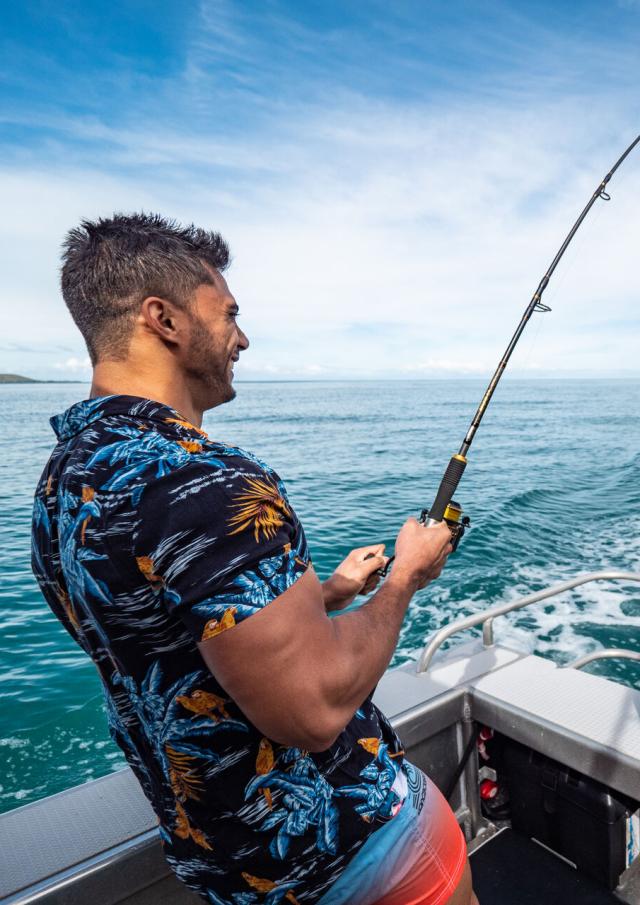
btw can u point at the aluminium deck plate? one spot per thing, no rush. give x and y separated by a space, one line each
42 839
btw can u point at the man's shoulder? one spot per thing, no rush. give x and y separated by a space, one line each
114 444
126 453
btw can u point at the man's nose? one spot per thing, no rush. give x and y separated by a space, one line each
243 340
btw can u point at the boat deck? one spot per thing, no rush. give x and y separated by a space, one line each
512 870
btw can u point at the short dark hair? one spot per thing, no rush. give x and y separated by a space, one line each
110 265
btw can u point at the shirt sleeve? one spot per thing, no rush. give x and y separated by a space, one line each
218 546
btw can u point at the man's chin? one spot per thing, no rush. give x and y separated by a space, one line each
214 391
225 392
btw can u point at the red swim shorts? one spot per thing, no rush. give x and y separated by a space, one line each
435 855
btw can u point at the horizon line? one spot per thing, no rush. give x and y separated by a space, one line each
632 377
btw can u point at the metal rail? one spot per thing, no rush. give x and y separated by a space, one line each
608 653
486 618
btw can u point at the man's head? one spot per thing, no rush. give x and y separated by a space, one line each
140 285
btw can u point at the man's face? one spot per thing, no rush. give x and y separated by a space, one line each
216 341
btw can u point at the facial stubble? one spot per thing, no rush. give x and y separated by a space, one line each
204 365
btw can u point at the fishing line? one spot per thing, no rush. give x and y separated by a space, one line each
444 508
532 345
572 257
570 263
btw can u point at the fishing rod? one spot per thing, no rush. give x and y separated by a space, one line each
444 508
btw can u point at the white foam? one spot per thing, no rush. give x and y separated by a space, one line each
564 627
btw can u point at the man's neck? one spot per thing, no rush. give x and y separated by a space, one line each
121 378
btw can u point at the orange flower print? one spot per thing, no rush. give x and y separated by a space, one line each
187 425
261 507
215 626
264 886
184 830
264 764
145 564
205 703
88 494
185 783
371 745
191 446
67 605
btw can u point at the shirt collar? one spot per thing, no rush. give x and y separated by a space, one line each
80 415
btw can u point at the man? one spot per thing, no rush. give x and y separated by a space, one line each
178 564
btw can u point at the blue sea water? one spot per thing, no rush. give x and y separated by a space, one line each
553 489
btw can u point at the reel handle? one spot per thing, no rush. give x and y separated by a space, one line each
452 515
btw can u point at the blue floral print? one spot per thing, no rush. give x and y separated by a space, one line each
148 538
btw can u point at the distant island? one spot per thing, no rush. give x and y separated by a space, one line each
18 378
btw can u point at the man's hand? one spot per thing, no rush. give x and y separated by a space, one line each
421 553
357 574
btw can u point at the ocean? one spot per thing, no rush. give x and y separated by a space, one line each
552 489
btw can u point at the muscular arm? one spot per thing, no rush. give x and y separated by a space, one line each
298 675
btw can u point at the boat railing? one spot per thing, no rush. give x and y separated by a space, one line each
608 653
486 618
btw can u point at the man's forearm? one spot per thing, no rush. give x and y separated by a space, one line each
337 592
365 640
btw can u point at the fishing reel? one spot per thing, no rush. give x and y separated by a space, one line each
457 522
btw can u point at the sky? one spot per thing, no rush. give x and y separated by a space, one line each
393 179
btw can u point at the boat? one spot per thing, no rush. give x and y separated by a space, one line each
542 760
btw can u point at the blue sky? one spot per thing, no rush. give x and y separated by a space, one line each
393 179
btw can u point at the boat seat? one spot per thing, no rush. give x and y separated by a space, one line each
581 720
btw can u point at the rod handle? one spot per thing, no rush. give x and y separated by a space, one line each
448 486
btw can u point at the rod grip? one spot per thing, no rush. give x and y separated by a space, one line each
448 486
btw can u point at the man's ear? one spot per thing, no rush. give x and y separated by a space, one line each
162 318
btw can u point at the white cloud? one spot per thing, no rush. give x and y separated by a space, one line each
74 365
437 219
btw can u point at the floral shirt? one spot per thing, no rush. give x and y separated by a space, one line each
149 537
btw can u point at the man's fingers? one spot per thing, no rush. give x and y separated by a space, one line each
372 582
364 553
375 562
